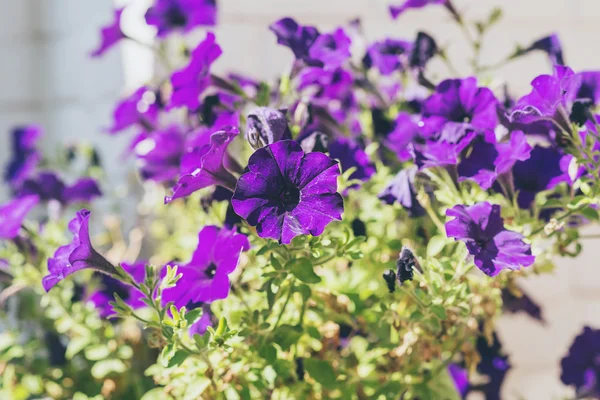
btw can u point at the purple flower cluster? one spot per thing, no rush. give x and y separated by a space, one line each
581 366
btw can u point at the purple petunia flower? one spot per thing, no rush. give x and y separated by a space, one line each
495 248
206 276
77 255
266 126
460 377
351 155
513 304
13 213
287 193
298 38
331 50
401 189
209 168
48 186
111 34
388 55
181 15
423 50
549 45
191 81
460 102
158 155
25 157
446 150
395 11
109 286
140 108
581 366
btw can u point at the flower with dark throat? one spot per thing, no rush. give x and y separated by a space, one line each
287 193
297 37
581 366
181 15
77 255
405 265
25 157
206 276
266 126
388 56
111 286
12 215
192 80
494 248
209 169
111 34
138 109
330 50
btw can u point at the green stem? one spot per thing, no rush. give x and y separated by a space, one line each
287 300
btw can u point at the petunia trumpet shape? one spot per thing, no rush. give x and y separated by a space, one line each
111 34
287 193
13 213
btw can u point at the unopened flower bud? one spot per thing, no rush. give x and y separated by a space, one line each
406 262
266 126
390 279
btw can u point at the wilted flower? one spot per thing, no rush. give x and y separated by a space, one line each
111 286
266 126
13 213
331 50
48 186
140 108
401 189
192 80
25 157
111 34
209 169
298 38
581 366
405 264
181 15
77 255
206 276
287 193
481 228
389 277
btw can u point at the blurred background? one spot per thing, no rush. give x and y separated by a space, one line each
47 77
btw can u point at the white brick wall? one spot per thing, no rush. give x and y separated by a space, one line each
47 77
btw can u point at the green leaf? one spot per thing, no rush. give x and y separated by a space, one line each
106 367
275 262
167 353
305 291
553 203
193 315
268 352
590 214
177 359
222 327
98 352
303 270
577 202
196 388
495 16
201 340
439 311
287 335
321 371
76 345
436 245
155 394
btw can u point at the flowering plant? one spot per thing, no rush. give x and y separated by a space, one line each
351 230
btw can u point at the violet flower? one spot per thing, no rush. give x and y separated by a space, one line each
401 189
12 215
111 34
48 186
287 193
423 50
298 38
388 56
446 150
581 366
109 286
494 248
524 303
460 377
181 15
192 80
206 276
266 126
25 157
351 155
158 155
549 45
331 50
77 255
140 108
209 169
396 11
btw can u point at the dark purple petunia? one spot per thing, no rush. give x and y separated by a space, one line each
423 50
192 80
460 377
405 130
266 126
581 366
460 102
298 38
582 94
545 168
494 248
77 255
140 108
494 365
111 34
48 186
446 150
388 55
12 215
111 286
209 169
513 304
395 11
25 157
331 50
401 189
549 45
158 155
181 15
206 276
351 155
287 193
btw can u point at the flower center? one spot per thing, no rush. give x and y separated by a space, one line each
211 271
289 197
175 17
